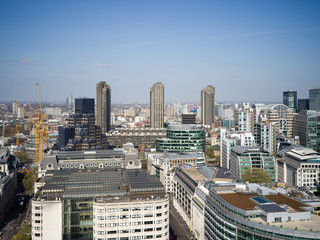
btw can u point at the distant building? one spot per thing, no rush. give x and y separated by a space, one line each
84 105
69 104
303 104
56 111
188 118
103 99
182 138
244 118
314 98
157 105
208 106
138 136
290 99
220 107
307 127
265 135
230 139
17 110
87 136
298 166
282 115
64 134
257 109
249 157
100 204
229 124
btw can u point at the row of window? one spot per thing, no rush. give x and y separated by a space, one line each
134 237
128 223
101 210
76 165
132 216
132 230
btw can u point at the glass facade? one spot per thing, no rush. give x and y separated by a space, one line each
180 139
223 222
77 219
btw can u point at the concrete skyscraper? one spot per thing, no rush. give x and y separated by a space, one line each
157 105
290 99
314 98
103 106
207 105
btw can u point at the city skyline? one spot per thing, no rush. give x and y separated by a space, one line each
251 51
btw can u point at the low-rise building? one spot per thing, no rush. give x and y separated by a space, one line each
231 139
162 165
185 182
234 214
182 138
298 166
125 157
249 157
137 136
100 204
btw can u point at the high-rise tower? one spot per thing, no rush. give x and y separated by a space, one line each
157 105
103 106
69 104
207 105
314 98
290 99
84 105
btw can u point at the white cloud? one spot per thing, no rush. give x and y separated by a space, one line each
97 64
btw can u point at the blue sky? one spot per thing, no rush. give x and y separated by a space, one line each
249 50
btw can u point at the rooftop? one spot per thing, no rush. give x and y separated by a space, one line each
249 201
248 149
195 174
312 224
75 183
174 156
185 127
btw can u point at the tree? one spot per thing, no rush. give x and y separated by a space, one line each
24 232
210 152
23 156
256 175
29 179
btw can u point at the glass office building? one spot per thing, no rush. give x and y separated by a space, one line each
182 138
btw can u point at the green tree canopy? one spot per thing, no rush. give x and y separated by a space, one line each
210 152
24 232
29 179
256 175
23 156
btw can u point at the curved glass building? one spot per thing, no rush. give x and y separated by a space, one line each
224 220
182 138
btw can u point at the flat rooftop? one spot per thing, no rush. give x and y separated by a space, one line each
75 183
244 201
313 224
194 174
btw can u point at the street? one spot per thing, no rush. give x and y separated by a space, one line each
14 221
179 227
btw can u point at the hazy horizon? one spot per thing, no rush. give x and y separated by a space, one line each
248 50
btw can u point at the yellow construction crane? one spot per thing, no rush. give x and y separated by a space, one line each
36 132
43 129
40 128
